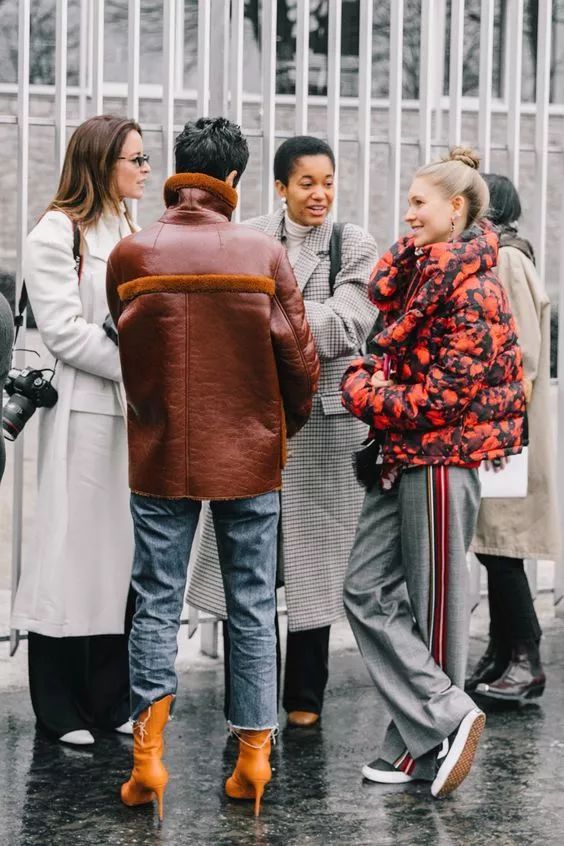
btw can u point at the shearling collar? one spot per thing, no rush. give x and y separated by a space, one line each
199 181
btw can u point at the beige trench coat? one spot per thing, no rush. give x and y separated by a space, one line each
528 527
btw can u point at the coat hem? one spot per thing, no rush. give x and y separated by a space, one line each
58 630
478 549
207 498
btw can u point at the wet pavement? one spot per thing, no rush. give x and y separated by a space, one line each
54 795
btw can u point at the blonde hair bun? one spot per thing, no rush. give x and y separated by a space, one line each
465 155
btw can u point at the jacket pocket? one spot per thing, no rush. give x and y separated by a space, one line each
331 404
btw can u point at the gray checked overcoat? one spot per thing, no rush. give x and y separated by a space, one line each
320 498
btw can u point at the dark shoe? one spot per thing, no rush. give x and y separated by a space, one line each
304 719
523 679
384 773
490 667
457 755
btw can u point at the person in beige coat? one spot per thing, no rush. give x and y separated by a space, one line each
73 592
510 530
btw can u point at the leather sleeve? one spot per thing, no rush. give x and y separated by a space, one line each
294 348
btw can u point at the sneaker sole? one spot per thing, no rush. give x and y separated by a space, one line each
453 776
531 693
382 777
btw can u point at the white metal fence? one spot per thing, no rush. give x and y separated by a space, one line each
377 141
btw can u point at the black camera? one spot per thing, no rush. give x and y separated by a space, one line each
27 390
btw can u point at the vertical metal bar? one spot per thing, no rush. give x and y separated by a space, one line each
364 109
236 55
24 23
559 563
236 74
439 37
514 70
268 50
98 58
394 125
134 49
179 51
169 44
426 80
544 41
61 30
456 67
219 57
83 57
532 572
302 65
486 78
204 31
334 82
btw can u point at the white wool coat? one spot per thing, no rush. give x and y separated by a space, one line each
75 577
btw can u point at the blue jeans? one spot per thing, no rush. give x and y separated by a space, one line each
246 532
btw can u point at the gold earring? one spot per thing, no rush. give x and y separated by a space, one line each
452 225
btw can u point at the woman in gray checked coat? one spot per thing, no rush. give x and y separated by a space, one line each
321 499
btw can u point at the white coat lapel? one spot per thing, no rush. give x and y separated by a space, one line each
102 238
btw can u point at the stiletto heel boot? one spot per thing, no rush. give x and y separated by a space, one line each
149 776
252 771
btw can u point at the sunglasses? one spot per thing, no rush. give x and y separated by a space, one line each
138 160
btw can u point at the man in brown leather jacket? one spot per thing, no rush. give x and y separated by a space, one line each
219 365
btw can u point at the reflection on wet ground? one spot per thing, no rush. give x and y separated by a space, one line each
54 795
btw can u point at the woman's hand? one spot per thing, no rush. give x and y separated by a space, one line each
497 464
378 380
528 389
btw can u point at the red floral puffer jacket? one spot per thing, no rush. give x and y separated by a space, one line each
457 396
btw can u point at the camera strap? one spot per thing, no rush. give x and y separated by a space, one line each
24 299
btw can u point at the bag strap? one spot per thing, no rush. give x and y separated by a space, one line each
24 299
335 254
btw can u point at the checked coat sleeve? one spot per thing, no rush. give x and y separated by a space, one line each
294 348
341 323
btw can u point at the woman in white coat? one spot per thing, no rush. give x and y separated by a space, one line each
510 530
73 592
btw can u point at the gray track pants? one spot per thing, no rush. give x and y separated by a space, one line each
406 597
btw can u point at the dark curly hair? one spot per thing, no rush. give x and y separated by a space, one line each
213 146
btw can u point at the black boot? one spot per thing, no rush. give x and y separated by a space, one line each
523 679
491 665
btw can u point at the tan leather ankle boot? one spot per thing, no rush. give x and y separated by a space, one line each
252 771
149 776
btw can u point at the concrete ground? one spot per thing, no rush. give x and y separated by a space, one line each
55 795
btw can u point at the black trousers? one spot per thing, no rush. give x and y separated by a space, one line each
307 669
513 618
80 682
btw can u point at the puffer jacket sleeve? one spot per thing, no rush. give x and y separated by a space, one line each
52 285
294 348
452 381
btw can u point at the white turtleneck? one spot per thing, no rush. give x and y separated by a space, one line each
295 235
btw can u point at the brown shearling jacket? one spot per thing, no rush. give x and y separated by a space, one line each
217 357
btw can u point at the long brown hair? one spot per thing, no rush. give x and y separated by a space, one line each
87 186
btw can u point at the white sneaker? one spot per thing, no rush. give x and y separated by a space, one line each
80 737
125 728
384 773
457 754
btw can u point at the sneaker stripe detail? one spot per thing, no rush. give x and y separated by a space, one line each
405 763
